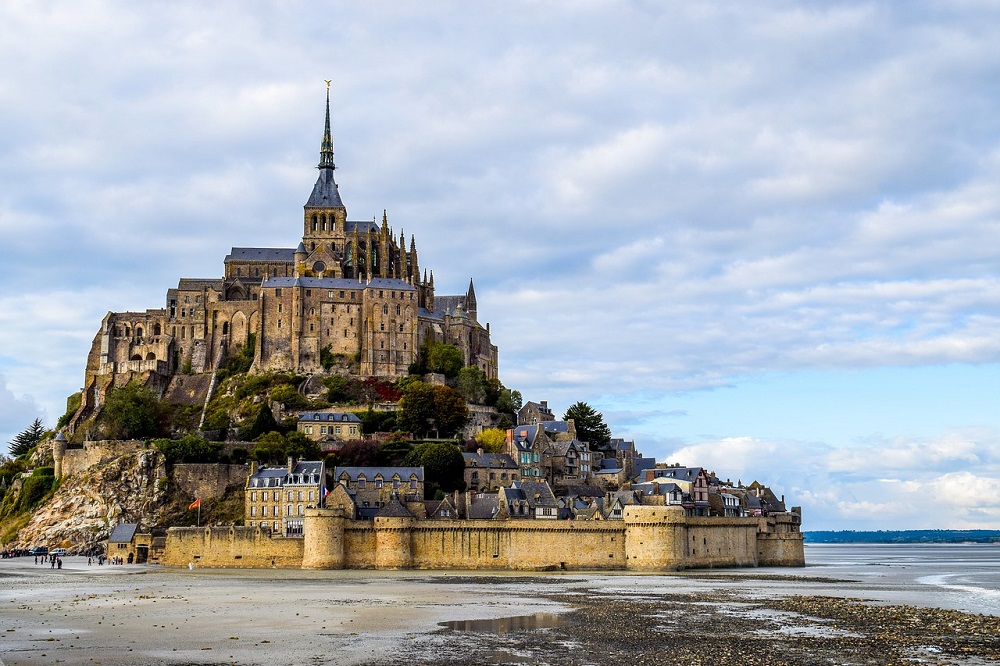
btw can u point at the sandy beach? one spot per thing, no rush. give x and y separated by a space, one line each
148 615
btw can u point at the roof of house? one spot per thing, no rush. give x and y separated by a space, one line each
385 472
492 460
537 493
689 474
303 472
394 509
483 507
339 417
123 533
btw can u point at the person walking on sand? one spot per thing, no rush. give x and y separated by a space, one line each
59 562
53 561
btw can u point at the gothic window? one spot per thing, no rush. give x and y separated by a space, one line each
156 329
385 309
397 310
333 246
314 223
312 246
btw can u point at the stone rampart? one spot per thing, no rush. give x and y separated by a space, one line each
654 538
79 460
208 480
243 547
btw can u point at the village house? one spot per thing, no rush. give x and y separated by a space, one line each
373 487
326 426
489 471
276 498
533 412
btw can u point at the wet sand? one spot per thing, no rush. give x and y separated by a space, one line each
148 615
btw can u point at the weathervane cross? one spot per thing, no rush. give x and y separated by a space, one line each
328 83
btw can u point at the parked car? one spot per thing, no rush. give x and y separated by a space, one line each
59 552
39 550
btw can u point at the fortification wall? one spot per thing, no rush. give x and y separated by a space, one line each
227 547
649 539
208 480
518 545
780 550
77 461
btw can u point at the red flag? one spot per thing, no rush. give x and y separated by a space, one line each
195 504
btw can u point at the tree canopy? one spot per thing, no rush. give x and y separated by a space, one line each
590 425
27 439
426 410
444 466
132 411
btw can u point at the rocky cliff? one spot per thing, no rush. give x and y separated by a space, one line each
131 487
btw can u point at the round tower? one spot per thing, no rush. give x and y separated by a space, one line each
58 451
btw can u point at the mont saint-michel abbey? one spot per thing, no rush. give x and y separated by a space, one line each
350 287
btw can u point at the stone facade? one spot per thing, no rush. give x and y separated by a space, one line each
352 292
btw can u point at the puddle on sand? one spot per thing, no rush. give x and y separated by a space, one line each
505 625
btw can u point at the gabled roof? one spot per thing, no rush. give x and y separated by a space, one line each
580 490
537 493
123 533
657 488
483 507
394 509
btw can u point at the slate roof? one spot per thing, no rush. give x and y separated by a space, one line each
494 460
578 491
261 254
538 493
641 465
186 284
123 533
483 507
555 426
394 509
309 472
449 305
325 193
331 417
689 474
371 472
655 488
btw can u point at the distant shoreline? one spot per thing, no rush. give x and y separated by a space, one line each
903 536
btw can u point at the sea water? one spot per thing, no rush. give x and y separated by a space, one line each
959 576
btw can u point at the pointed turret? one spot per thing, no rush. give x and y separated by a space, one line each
470 299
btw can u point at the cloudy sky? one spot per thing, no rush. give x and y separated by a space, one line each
759 237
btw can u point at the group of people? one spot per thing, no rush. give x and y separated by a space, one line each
54 560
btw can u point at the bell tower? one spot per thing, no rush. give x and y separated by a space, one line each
325 214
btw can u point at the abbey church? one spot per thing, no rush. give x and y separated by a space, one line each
350 290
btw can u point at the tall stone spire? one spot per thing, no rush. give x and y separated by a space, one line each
326 149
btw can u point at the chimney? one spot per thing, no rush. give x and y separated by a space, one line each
291 464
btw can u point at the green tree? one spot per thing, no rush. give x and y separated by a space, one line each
27 439
132 411
471 383
509 402
262 424
427 410
289 397
444 466
444 359
590 425
189 449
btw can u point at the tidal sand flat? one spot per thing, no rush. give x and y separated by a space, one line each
844 611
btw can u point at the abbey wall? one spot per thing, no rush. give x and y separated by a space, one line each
649 538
